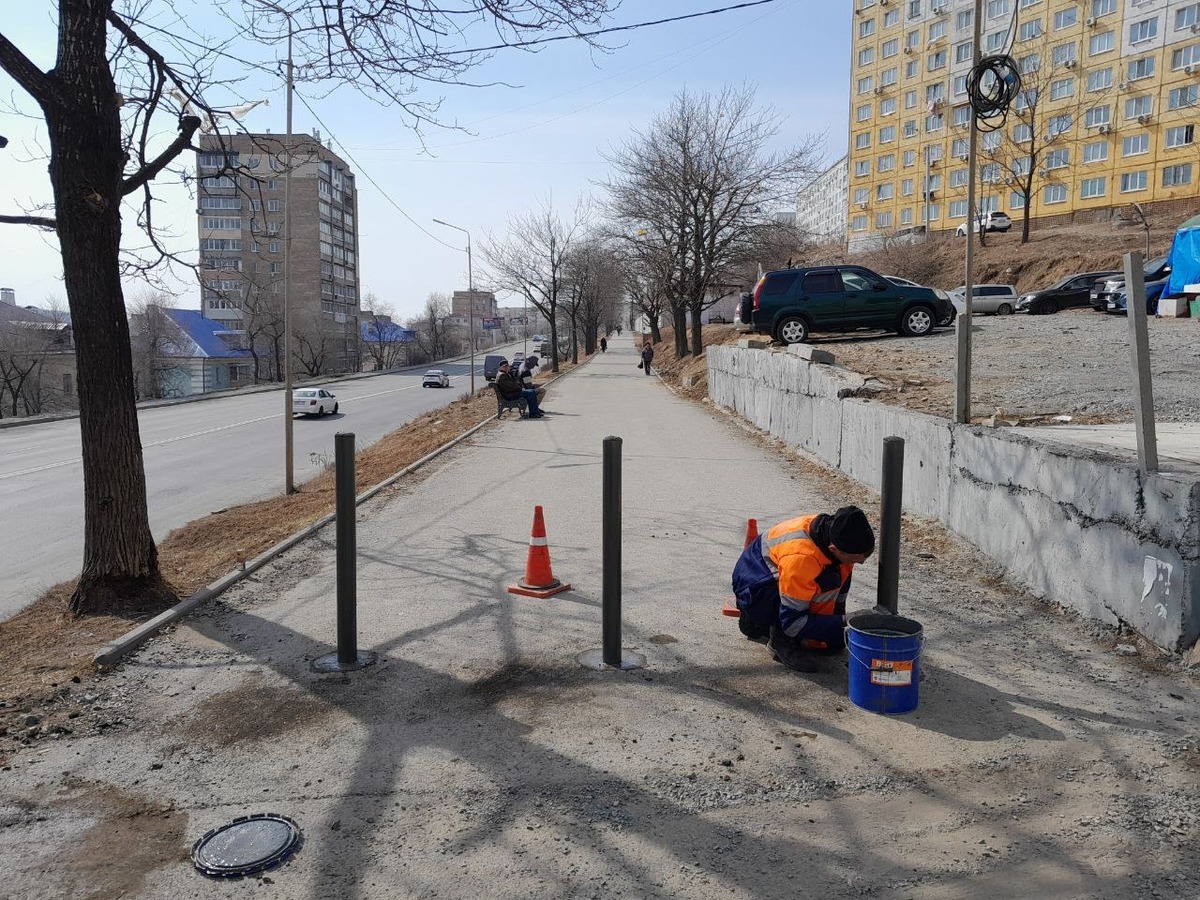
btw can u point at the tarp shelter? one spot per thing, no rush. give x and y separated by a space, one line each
1184 258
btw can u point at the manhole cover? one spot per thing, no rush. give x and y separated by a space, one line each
247 845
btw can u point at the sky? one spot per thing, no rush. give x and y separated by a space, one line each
540 130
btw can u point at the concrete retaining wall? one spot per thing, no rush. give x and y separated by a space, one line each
1081 529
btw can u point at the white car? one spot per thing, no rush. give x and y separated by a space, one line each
1000 299
435 378
313 402
992 221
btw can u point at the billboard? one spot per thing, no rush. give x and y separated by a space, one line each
493 323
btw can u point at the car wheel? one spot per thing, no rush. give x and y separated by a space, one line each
1004 309
792 330
1046 308
917 321
335 409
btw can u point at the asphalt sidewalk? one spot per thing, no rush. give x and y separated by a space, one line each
479 758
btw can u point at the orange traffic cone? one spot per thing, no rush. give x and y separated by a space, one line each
539 581
730 608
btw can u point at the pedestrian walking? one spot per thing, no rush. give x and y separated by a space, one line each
603 345
647 357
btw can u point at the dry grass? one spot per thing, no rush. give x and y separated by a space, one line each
44 646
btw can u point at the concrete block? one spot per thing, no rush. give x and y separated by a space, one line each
688 381
753 344
812 354
1173 307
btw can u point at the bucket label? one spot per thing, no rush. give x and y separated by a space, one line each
891 672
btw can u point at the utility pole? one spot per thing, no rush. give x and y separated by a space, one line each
288 469
962 323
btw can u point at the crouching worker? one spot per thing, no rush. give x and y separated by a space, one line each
791 584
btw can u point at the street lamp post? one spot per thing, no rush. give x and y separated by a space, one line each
289 480
470 298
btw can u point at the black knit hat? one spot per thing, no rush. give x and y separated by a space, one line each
850 531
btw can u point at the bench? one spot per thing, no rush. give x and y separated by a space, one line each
502 405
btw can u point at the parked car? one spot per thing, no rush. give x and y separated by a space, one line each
991 221
1155 273
998 299
435 378
791 304
491 365
904 282
1074 290
313 402
1118 301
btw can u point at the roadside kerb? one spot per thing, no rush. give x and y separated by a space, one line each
114 651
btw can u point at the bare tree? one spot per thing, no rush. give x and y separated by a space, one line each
531 259
381 338
104 101
593 279
1049 120
693 188
154 344
435 333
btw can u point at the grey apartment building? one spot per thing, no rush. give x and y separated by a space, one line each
241 226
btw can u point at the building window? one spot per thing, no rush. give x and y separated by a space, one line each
1101 43
1058 125
959 86
1097 151
1185 56
1031 62
910 157
912 69
890 48
1065 18
884 191
1143 30
1091 187
958 209
887 107
998 8
1096 116
959 148
218 159
866 56
213 223
1099 79
220 202
990 173
274 247
912 40
858 223
1054 193
887 77
218 181
1135 145
937 60
1057 159
933 123
964 19
862 167
866 28
863 112
937 30
1173 176
1141 68
891 17
933 212
1180 135
910 128
906 187
1062 88
887 134
1139 106
906 216
1187 17
1016 200
1133 181
1184 96
862 196
1063 54
864 87
274 205
964 52
1029 30
1025 99
217 244
996 40
1022 132
958 178
862 141
962 115
1103 7
910 99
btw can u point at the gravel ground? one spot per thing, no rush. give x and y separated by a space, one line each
1076 363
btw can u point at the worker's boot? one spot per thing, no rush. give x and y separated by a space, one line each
788 652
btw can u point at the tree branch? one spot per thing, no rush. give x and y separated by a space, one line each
22 70
39 221
188 126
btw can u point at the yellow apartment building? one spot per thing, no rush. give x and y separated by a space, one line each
1106 116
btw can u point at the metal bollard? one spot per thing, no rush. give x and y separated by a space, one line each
348 656
611 531
890 507
610 655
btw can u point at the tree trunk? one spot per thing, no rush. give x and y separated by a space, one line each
697 338
1025 223
120 561
655 333
679 322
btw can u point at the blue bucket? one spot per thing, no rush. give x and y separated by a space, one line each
885 662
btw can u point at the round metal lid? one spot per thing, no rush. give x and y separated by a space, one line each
247 845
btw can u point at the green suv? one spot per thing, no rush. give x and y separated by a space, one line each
790 304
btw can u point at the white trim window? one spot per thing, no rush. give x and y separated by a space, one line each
1180 135
1144 30
1097 151
1174 176
1054 193
1133 181
1091 188
1101 43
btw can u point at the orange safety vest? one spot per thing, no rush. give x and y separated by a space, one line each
809 581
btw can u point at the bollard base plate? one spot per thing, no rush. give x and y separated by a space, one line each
329 662
594 659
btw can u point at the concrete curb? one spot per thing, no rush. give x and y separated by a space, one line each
114 651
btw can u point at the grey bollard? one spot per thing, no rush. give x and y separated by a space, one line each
890 506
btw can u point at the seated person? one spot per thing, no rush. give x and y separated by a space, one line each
525 376
510 388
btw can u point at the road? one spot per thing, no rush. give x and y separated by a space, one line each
199 457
